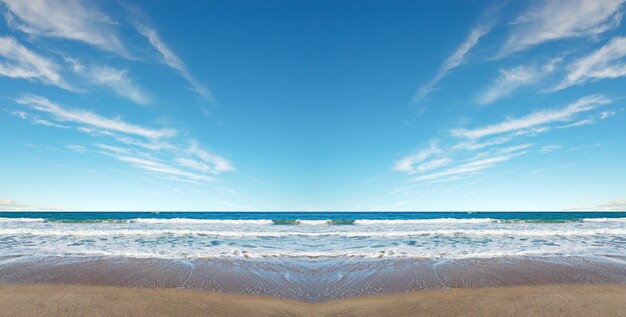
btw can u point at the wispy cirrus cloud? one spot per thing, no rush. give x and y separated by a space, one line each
91 119
469 152
76 148
112 78
613 205
161 167
514 78
17 61
592 119
535 119
550 148
139 146
74 20
561 19
150 144
13 205
217 164
434 164
453 61
172 60
409 164
37 120
157 167
118 81
606 62
470 167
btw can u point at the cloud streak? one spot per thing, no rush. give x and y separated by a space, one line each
19 62
13 205
409 163
138 146
172 60
562 19
606 62
535 119
455 60
65 19
613 205
469 152
112 78
91 119
217 164
515 78
471 167
154 166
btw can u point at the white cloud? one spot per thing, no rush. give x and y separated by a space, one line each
469 168
473 145
119 82
579 123
37 121
12 205
20 62
76 148
561 19
434 157
453 61
172 60
480 149
434 164
613 205
515 78
202 163
194 165
535 119
154 166
152 144
216 163
91 119
606 62
115 79
408 163
591 119
550 148
607 114
66 19
47 123
193 161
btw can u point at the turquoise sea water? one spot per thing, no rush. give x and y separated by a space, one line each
312 235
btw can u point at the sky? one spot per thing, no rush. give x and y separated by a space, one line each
312 105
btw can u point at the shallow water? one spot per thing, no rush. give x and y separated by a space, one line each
313 235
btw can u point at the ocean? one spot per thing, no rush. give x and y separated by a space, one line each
312 235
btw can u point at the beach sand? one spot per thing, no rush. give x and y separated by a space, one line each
537 300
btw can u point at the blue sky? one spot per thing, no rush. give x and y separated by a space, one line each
312 105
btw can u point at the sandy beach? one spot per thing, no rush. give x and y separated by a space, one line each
540 300
313 280
168 267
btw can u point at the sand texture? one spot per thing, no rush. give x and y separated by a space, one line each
538 300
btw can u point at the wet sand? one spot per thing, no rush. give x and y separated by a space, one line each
538 300
311 280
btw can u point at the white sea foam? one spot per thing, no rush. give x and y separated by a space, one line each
202 221
314 222
278 234
604 219
181 238
21 220
422 221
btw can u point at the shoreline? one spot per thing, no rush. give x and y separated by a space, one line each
538 300
311 280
